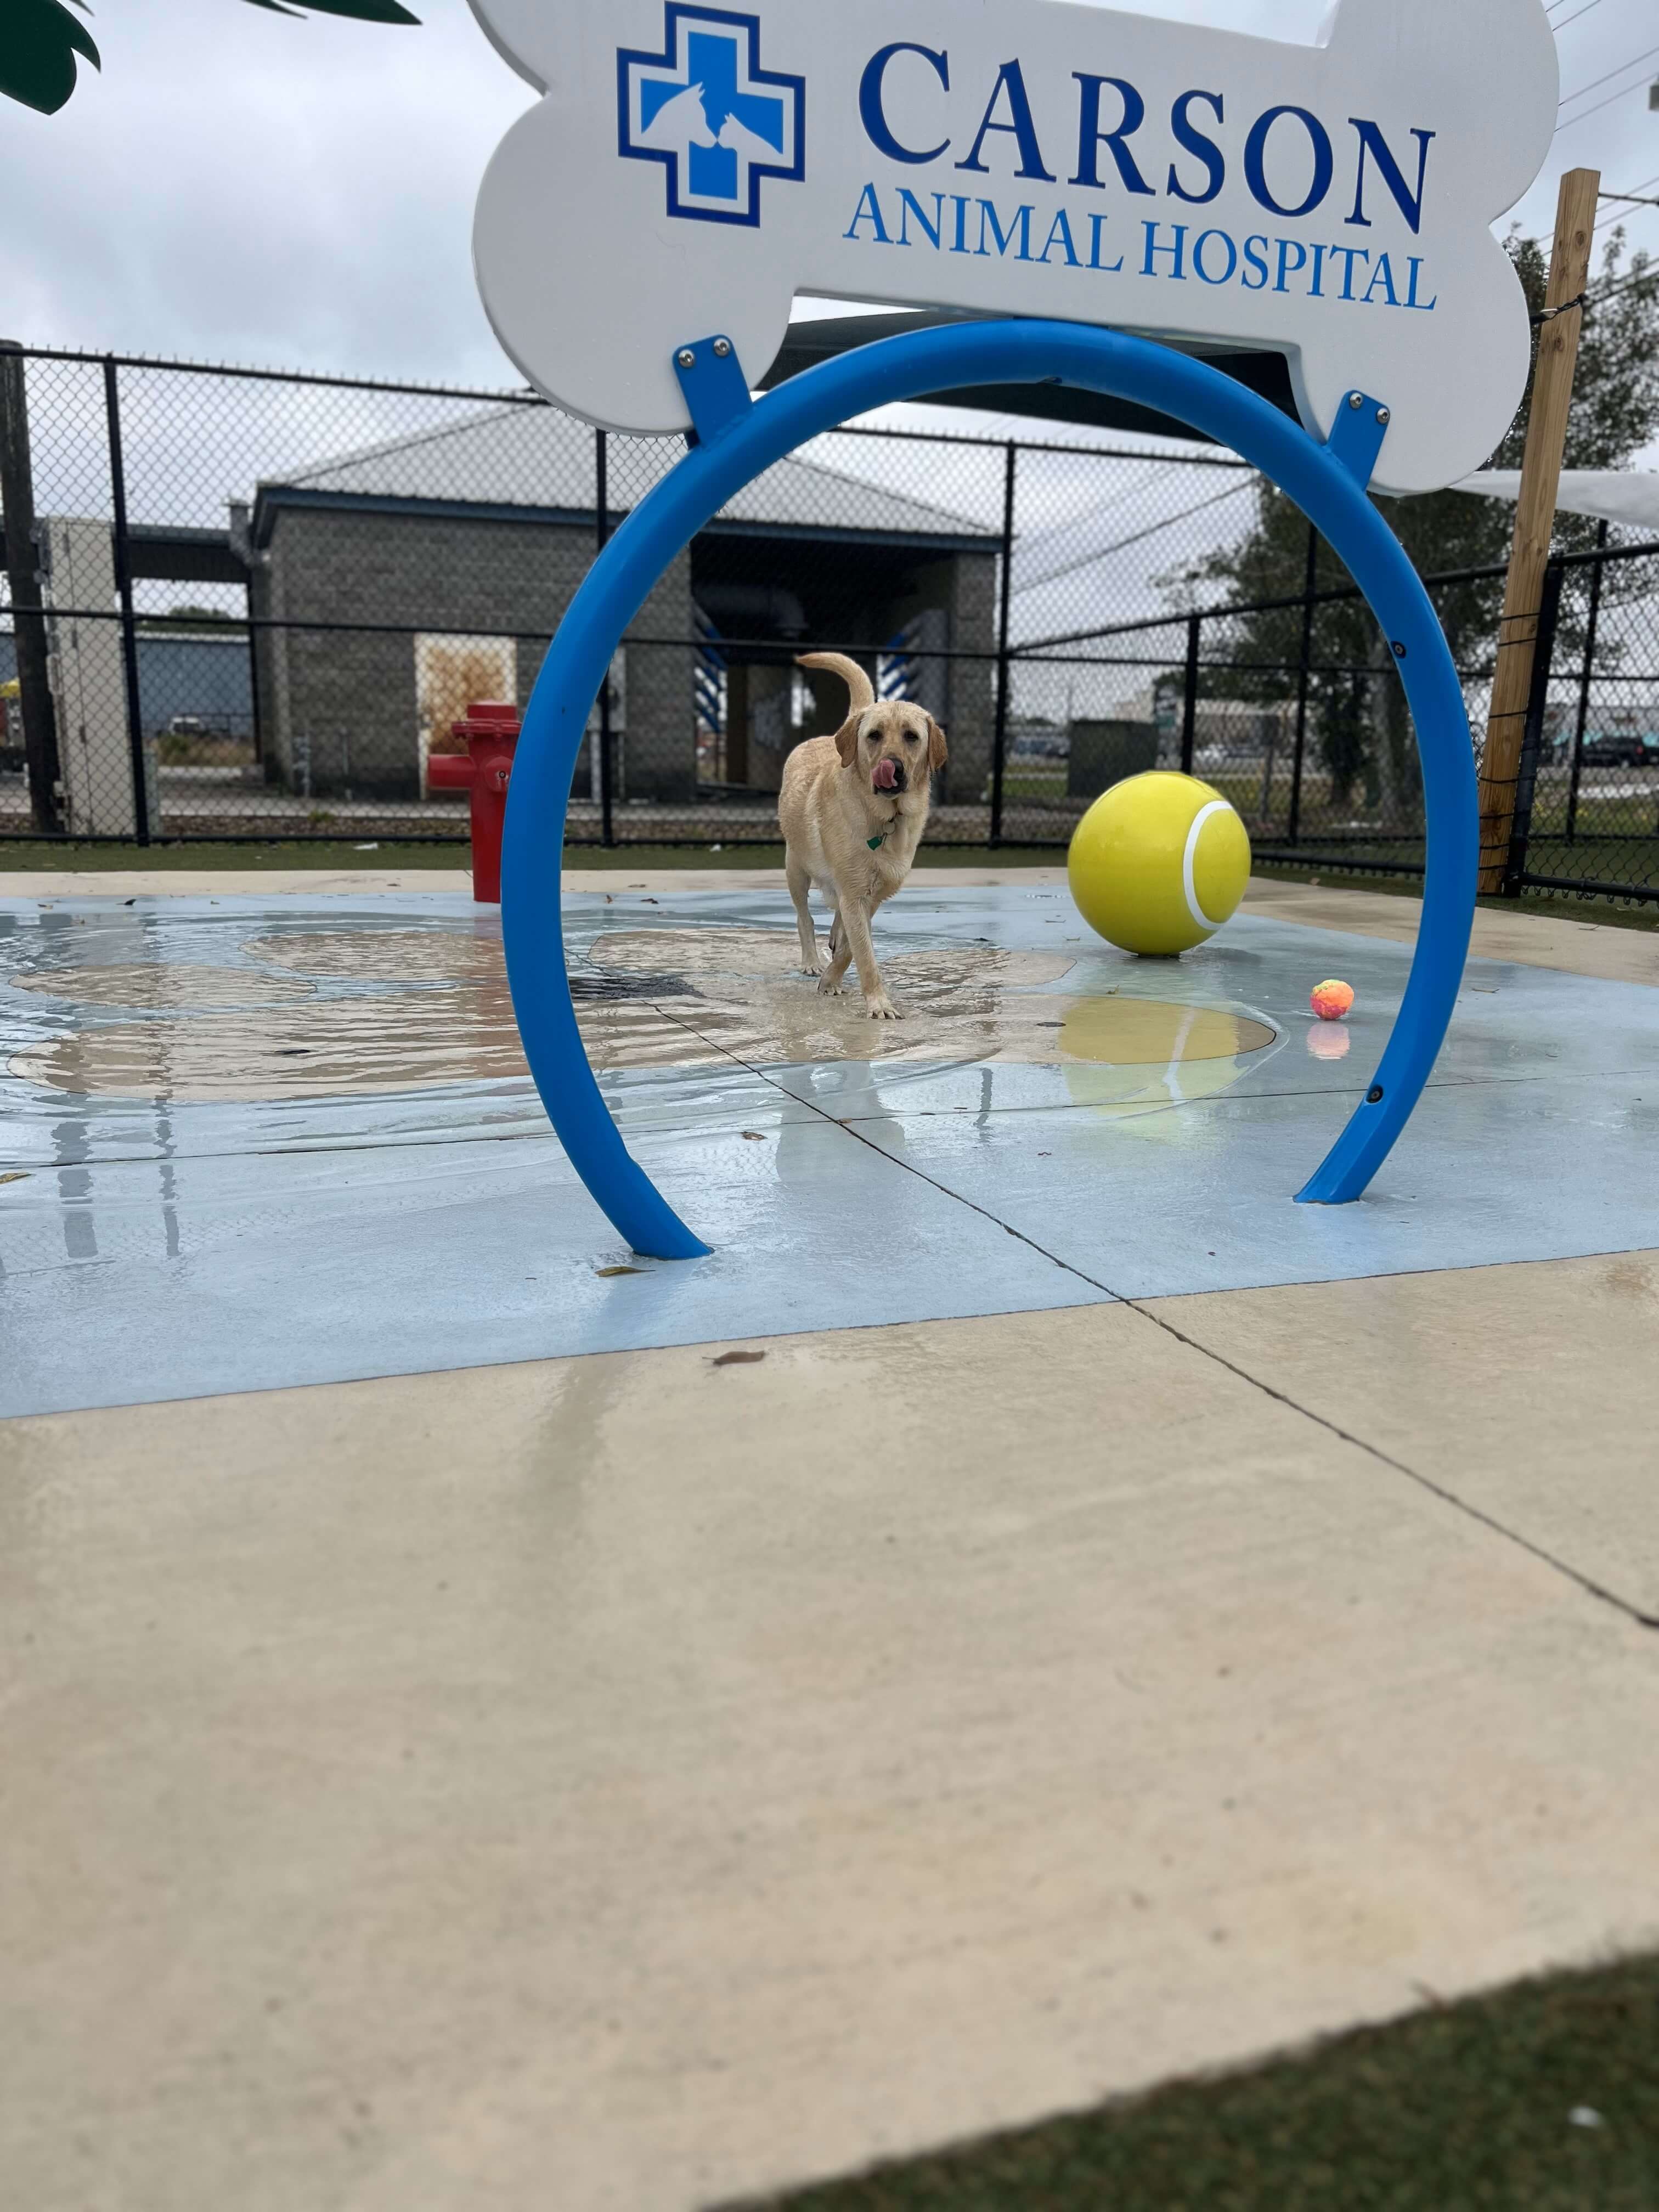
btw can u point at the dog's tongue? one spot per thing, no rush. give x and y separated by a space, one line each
887 775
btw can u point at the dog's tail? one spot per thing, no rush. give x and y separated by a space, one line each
837 664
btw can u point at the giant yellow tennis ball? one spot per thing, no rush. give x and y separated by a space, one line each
1159 863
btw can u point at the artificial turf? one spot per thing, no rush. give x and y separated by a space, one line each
34 856
1540 2098
1328 874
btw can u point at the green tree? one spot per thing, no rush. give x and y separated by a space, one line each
40 40
1357 720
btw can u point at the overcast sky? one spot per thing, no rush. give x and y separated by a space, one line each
241 186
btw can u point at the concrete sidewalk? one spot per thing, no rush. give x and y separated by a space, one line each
630 1782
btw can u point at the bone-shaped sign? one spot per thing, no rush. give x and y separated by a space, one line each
692 169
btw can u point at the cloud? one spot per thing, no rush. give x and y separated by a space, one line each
239 185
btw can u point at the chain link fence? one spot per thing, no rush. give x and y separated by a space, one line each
1587 808
252 605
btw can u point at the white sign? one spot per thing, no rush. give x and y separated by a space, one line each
691 169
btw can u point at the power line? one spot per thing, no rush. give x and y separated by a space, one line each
1121 544
1635 62
1648 276
1032 548
1629 200
1565 20
1603 220
1646 186
1585 113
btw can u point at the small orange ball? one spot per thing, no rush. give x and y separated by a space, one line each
1332 1001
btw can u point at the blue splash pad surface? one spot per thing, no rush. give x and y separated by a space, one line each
166 1245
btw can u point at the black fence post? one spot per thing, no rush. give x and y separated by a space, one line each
1189 697
23 573
241 540
1586 678
999 741
123 553
1303 682
601 509
1532 740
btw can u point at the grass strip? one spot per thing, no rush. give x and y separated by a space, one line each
1540 2098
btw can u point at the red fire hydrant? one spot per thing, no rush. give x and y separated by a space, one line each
491 731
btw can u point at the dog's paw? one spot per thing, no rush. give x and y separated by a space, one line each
882 1010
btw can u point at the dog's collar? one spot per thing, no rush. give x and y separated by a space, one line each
875 843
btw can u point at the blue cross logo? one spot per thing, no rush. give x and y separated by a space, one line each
713 116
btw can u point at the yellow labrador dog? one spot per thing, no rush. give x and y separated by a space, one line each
854 807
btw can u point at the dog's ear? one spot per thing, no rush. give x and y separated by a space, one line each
937 752
846 739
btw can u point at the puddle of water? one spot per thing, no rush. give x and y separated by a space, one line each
331 1046
157 984
384 956
646 998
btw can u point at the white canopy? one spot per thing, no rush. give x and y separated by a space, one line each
1627 495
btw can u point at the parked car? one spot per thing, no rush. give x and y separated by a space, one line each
1627 750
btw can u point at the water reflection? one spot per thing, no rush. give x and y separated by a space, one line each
73 1142
166 1148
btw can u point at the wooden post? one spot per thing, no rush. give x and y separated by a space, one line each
1535 519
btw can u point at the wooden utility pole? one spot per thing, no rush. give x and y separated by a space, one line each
1535 516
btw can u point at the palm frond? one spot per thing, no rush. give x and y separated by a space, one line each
362 11
40 40
39 43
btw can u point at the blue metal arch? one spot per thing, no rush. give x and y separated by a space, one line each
739 440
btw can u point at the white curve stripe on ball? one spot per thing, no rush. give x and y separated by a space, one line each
1189 861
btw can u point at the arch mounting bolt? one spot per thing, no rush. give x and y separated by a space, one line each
722 349
1384 415
686 358
1356 399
